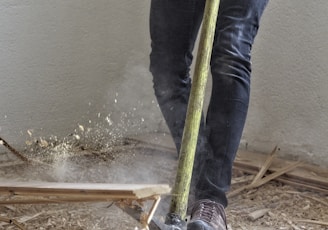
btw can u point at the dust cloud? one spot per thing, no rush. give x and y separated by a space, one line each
98 153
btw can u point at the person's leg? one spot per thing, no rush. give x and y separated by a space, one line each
237 26
174 26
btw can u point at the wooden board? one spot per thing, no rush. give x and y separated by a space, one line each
101 190
51 192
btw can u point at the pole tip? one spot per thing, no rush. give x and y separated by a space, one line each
175 221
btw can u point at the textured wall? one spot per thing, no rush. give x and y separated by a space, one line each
65 63
289 103
70 62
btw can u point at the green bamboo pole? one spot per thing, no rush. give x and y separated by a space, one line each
194 112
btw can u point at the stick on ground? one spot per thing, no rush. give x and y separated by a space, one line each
259 180
11 221
13 150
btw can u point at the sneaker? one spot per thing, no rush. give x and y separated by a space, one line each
207 215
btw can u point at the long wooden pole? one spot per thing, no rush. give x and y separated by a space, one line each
194 112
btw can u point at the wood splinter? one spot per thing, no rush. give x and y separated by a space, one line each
259 180
13 150
317 222
12 221
21 156
258 214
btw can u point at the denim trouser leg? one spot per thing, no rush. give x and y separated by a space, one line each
174 26
237 26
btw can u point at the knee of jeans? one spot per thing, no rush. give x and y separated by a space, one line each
173 66
234 39
230 66
162 94
232 51
170 85
166 92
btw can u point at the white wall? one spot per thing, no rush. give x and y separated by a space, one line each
289 103
65 63
68 62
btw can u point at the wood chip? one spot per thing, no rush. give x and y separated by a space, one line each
258 214
12 221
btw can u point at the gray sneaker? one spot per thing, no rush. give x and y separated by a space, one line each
207 215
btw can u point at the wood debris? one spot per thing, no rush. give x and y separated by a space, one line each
305 176
290 208
313 222
258 214
13 150
12 222
259 180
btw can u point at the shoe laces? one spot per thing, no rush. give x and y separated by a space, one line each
208 211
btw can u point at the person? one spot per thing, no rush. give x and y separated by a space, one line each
174 26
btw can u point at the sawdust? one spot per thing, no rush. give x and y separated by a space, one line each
287 207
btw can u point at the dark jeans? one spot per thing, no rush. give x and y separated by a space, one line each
174 26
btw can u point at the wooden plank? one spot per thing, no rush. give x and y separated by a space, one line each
51 192
131 191
53 200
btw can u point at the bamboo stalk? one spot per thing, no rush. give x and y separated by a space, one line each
194 111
